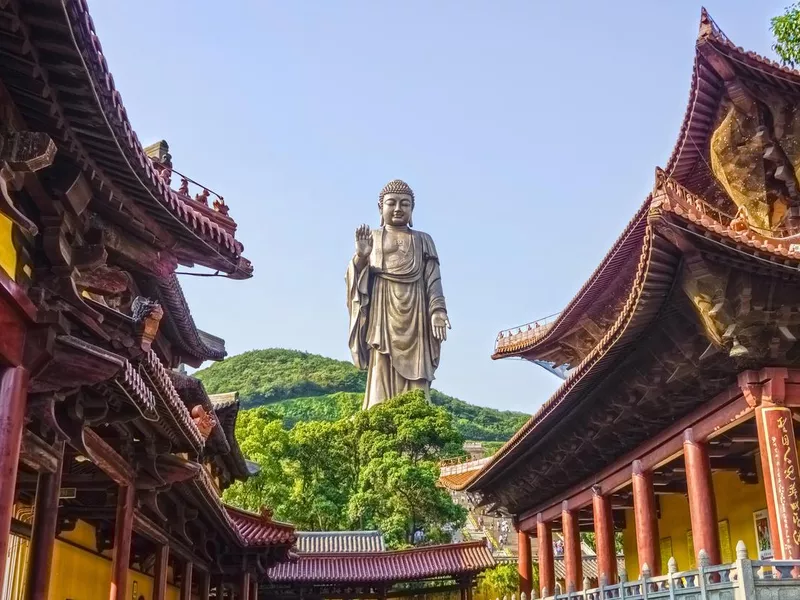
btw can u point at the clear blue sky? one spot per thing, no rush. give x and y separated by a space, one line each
529 131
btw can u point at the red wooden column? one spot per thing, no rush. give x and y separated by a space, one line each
186 581
702 502
45 522
219 586
645 519
123 529
524 565
254 589
160 574
13 393
204 585
573 559
604 538
779 464
547 573
244 587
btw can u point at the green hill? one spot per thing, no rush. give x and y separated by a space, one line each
308 387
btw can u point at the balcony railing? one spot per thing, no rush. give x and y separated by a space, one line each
744 579
529 332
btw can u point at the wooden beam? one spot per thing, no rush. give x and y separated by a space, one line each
37 454
105 457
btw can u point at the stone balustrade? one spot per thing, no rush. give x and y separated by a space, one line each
744 579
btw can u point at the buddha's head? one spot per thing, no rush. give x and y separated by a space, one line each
396 204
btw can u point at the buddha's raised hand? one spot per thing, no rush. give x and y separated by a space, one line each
363 241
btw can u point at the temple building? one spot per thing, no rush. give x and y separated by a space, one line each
112 458
676 422
355 564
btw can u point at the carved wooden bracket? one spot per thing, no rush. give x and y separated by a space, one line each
147 314
21 152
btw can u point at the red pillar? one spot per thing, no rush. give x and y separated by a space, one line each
604 538
524 565
645 519
219 587
186 581
123 529
547 573
160 575
254 589
702 502
244 587
45 522
13 393
573 559
779 463
204 585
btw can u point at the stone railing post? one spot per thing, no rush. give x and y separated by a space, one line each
645 577
746 586
702 564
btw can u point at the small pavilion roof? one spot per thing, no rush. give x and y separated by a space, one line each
415 564
260 529
322 542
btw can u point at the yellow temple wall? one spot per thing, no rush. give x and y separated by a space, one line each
80 573
8 253
736 503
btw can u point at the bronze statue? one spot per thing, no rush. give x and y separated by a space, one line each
398 316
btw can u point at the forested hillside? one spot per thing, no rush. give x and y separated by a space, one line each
305 387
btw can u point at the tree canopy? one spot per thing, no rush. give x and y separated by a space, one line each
786 30
375 469
302 387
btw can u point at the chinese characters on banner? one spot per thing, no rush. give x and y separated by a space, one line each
783 464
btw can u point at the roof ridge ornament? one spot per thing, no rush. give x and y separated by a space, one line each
709 28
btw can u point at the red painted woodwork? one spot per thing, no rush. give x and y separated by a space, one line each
778 449
186 581
123 528
604 538
547 573
524 565
16 314
645 519
160 575
573 557
45 522
254 589
204 585
714 417
244 586
702 501
13 394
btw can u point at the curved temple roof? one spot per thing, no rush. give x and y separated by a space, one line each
54 68
385 567
678 194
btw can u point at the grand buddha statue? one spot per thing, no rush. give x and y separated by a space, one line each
398 316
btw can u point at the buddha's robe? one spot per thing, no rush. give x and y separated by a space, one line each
390 302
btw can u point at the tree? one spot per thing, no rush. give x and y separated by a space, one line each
500 581
786 30
377 469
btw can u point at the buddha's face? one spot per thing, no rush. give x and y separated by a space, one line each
396 209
